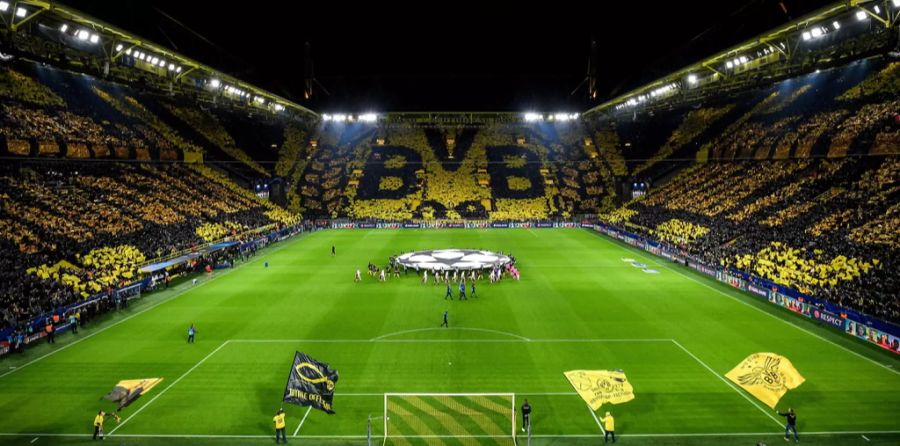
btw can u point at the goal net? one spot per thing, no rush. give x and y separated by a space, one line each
436 419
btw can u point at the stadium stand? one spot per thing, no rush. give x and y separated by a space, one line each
73 227
796 184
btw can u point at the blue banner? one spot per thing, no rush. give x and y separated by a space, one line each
834 320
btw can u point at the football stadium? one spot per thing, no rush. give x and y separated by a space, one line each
450 234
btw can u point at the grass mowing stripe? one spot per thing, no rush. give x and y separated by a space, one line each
707 367
417 425
445 420
302 421
657 262
453 407
163 391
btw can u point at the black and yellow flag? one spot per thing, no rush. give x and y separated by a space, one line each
766 376
126 391
311 383
597 387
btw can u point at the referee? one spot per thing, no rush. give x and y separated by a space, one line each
526 416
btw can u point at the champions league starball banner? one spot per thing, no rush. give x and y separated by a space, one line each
311 383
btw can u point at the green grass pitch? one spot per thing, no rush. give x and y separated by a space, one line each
577 306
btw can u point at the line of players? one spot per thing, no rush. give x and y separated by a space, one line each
495 275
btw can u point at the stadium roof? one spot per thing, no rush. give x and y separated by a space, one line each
469 57
111 43
827 37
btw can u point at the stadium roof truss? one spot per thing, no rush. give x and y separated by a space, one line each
827 37
114 46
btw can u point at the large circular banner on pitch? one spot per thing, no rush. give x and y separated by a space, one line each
450 259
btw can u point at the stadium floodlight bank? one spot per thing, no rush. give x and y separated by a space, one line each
450 415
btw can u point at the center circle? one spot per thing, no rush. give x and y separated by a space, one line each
452 259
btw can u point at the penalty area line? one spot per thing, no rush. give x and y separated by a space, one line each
302 421
659 262
742 394
595 418
163 392
128 318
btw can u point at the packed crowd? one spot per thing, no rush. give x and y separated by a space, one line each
70 231
823 227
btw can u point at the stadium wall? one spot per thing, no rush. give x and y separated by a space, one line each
851 322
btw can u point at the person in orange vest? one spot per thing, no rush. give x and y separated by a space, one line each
49 330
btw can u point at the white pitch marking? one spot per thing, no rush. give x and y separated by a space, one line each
163 392
657 262
865 438
173 297
596 419
707 367
302 421
36 438
419 330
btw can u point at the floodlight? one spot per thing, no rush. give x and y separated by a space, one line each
95 38
861 15
692 79
83 35
368 117
119 47
837 25
21 12
531 117
729 64
876 8
62 28
806 35
214 83
4 6
817 32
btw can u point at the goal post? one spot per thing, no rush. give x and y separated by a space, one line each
487 416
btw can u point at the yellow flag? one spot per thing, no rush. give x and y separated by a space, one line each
766 376
126 391
601 386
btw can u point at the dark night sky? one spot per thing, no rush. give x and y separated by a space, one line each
462 56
